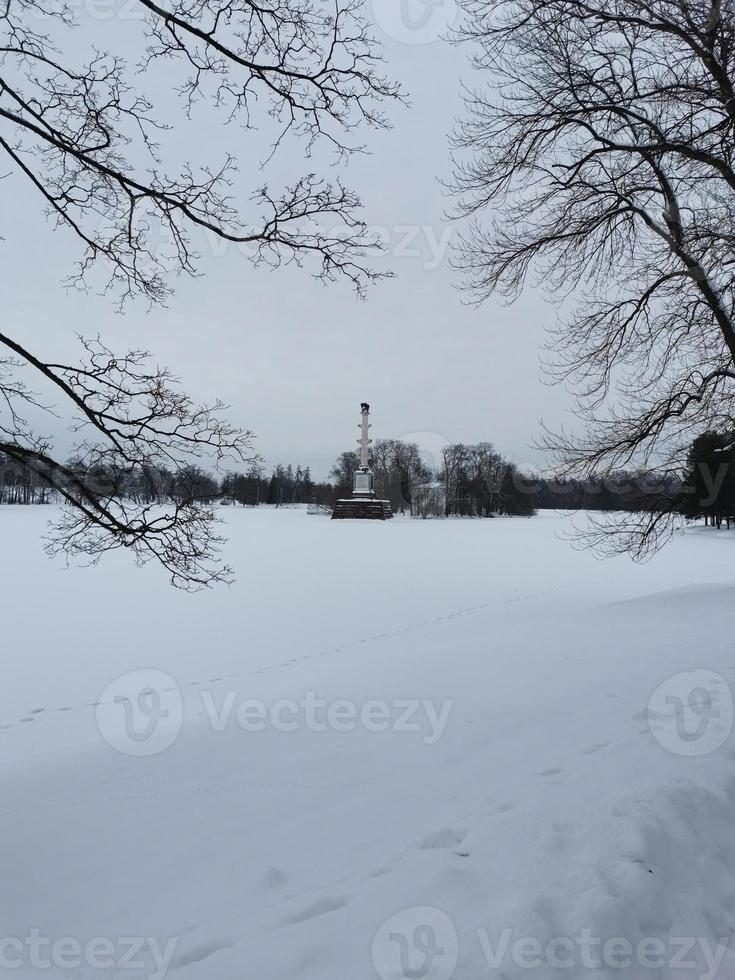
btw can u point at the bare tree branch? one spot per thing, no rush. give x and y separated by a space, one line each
87 139
134 421
598 156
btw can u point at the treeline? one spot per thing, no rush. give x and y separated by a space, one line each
398 469
286 485
625 490
479 482
474 481
704 490
21 483
469 481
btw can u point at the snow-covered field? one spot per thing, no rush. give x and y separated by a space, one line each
405 750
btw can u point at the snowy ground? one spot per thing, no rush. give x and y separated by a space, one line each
403 750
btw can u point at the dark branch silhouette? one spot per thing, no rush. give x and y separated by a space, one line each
132 420
598 156
74 132
86 137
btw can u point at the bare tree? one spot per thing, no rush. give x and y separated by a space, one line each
452 457
473 478
598 156
85 136
343 472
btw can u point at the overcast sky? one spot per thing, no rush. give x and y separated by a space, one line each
294 359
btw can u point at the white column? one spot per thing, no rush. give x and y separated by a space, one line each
364 441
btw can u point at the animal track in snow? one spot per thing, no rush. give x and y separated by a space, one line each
444 839
321 907
492 604
497 808
201 952
273 878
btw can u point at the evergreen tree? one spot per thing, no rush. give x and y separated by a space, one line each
710 479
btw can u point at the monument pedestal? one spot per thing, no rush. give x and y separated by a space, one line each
362 509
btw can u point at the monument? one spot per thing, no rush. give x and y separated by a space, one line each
363 504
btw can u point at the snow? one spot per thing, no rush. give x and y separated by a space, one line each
543 815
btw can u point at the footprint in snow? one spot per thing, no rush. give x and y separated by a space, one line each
554 771
273 878
201 952
497 808
321 907
444 839
379 872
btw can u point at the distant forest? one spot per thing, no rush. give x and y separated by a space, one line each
470 481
